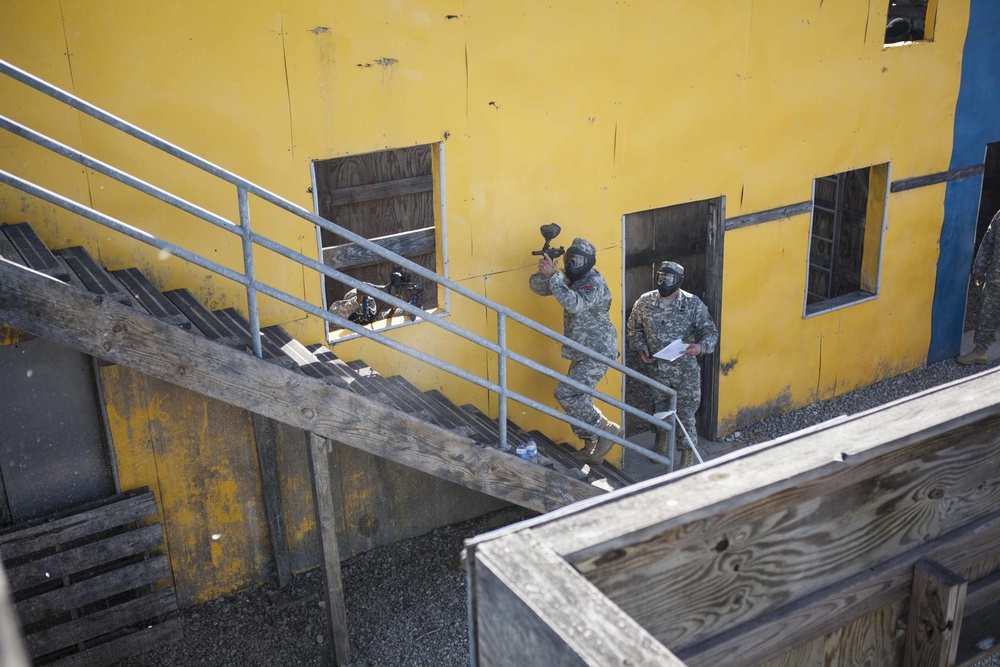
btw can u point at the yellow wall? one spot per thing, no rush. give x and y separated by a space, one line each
573 111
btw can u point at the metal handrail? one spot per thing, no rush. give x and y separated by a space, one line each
248 279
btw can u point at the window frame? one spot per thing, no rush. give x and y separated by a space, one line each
873 274
336 335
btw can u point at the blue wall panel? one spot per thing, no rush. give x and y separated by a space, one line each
977 123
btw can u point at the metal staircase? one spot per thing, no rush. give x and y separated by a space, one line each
489 465
74 266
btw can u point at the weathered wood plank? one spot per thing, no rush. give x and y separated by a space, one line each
383 190
854 598
353 256
567 621
102 622
870 640
265 437
120 335
26 538
326 519
50 568
91 590
113 651
935 620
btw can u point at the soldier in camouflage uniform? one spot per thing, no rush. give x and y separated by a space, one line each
658 318
586 300
986 273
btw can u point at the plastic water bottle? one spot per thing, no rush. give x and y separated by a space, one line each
532 450
522 451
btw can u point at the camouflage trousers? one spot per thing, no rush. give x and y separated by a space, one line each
574 402
989 316
684 377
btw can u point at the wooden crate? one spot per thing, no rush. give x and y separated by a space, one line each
89 584
873 539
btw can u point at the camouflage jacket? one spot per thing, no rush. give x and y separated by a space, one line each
585 303
984 264
655 323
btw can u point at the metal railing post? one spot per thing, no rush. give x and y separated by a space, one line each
252 312
502 379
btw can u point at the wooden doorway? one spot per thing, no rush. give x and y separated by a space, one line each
691 235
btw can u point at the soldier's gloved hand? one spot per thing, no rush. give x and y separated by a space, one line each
546 266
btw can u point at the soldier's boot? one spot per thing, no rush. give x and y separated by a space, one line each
976 356
686 457
595 451
662 442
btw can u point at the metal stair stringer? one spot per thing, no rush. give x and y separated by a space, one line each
44 306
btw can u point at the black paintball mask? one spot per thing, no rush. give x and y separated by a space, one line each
669 277
578 263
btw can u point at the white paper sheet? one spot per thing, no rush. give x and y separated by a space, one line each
672 351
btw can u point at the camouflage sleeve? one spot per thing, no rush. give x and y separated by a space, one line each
706 333
346 306
986 249
585 297
635 329
539 284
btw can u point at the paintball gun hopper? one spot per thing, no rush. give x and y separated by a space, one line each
549 232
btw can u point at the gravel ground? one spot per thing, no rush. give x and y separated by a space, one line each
406 602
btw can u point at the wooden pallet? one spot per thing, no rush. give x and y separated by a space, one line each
90 584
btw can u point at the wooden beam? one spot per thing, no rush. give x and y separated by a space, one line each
265 437
326 519
383 190
353 256
935 619
934 179
769 215
533 608
48 308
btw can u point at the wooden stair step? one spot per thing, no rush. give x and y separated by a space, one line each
439 414
203 319
93 276
152 299
443 404
33 251
564 462
616 477
8 251
338 366
270 347
306 361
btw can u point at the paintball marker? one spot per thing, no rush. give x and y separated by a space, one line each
549 232
406 289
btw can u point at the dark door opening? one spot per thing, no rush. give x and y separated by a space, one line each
989 204
690 234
